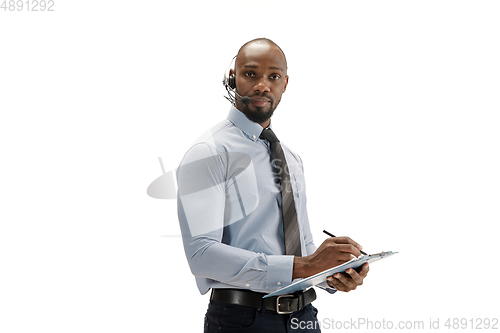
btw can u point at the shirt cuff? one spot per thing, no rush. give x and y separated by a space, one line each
280 270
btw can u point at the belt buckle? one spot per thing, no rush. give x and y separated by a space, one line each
278 304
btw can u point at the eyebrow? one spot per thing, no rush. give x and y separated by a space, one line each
271 67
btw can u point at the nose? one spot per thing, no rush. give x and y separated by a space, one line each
261 86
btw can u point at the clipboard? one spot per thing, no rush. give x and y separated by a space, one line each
321 277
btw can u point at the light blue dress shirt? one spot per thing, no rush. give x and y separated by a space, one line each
229 209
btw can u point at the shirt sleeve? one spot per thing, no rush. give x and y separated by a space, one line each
201 181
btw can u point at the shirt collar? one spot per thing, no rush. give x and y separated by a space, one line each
250 128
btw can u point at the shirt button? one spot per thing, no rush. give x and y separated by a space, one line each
254 136
279 283
248 285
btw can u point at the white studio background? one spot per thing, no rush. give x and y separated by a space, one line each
392 105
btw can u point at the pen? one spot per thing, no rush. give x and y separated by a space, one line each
329 234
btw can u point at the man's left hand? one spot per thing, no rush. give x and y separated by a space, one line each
349 280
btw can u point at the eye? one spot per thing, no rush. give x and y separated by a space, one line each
275 76
250 74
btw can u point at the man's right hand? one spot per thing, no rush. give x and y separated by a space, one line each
333 252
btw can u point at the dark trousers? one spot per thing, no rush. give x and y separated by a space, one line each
224 318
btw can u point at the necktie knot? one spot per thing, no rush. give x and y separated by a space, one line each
269 135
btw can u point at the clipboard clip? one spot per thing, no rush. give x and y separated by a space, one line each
381 254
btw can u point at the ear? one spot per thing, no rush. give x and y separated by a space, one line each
231 72
286 83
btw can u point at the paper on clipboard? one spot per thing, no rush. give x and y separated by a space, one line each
321 277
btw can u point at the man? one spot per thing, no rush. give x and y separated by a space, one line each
242 210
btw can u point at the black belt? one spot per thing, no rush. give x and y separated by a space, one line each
283 304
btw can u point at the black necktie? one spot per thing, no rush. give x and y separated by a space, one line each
290 222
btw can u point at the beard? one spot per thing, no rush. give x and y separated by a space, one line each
259 115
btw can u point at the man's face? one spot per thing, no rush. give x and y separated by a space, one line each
261 75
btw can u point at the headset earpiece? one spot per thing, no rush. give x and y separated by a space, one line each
231 82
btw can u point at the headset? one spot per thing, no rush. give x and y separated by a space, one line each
229 83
